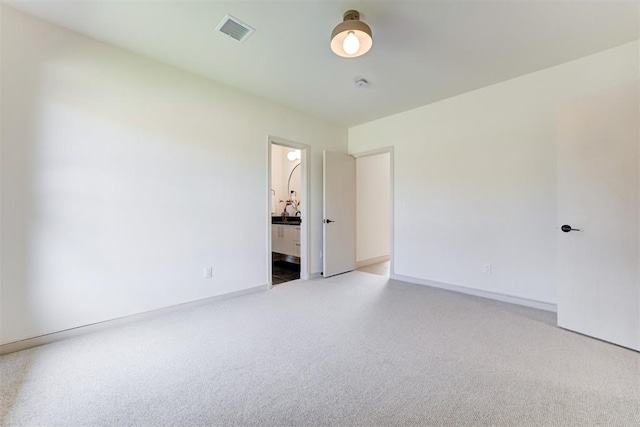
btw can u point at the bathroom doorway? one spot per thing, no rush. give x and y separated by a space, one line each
374 213
288 211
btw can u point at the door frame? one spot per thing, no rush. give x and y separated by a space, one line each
374 152
305 191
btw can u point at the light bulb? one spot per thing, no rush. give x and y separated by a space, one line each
294 155
351 44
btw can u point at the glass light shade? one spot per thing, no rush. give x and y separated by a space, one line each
294 155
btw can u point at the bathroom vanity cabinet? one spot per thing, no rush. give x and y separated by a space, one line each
285 239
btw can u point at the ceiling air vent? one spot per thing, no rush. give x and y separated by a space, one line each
234 28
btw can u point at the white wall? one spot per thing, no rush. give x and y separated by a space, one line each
373 207
278 157
122 178
475 177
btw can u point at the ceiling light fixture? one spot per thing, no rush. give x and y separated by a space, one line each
294 155
352 37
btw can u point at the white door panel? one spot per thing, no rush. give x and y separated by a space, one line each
598 193
339 194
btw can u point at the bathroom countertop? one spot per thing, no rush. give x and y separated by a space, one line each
290 220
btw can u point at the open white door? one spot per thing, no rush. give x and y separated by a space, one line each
599 195
339 214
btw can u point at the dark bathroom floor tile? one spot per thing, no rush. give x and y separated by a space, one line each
283 271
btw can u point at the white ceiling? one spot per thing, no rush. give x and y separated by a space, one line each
423 51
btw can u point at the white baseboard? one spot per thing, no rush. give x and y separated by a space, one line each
314 276
24 344
541 305
370 261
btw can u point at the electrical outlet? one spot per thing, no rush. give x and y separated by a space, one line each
208 272
486 268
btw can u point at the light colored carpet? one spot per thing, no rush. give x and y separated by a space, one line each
355 349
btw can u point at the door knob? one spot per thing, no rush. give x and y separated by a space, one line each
327 221
567 228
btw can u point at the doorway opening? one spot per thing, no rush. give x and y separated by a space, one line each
374 213
288 211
